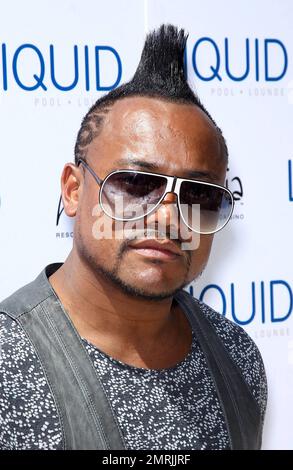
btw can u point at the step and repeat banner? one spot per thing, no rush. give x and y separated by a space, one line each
57 58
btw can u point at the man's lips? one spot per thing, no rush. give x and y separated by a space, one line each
155 249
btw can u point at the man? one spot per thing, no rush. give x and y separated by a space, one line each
107 351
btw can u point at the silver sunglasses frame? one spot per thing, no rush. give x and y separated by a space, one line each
173 186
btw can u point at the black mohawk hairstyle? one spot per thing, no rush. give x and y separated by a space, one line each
160 74
161 65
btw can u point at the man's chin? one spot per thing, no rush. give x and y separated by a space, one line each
149 286
142 289
148 294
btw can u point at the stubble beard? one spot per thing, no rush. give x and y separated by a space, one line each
113 277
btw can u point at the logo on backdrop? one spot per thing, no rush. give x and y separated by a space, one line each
290 180
256 57
63 229
235 185
270 302
31 68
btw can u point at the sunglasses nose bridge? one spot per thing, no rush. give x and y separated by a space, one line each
171 194
172 191
170 197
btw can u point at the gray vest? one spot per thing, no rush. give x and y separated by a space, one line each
86 416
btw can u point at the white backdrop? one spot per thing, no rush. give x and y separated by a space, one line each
239 60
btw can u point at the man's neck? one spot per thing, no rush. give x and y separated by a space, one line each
152 333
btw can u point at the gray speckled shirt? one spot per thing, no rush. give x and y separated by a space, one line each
173 408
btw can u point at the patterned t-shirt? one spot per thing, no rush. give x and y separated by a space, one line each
175 408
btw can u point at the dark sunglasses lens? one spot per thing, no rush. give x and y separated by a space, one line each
205 208
127 195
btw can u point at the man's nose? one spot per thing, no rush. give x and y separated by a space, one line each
170 197
167 212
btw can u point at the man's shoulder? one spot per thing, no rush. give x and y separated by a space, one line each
231 334
11 333
16 302
28 296
16 355
13 339
28 414
242 349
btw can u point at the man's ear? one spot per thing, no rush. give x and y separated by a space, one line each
71 185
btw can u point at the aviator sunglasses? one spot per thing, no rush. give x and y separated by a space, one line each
204 207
